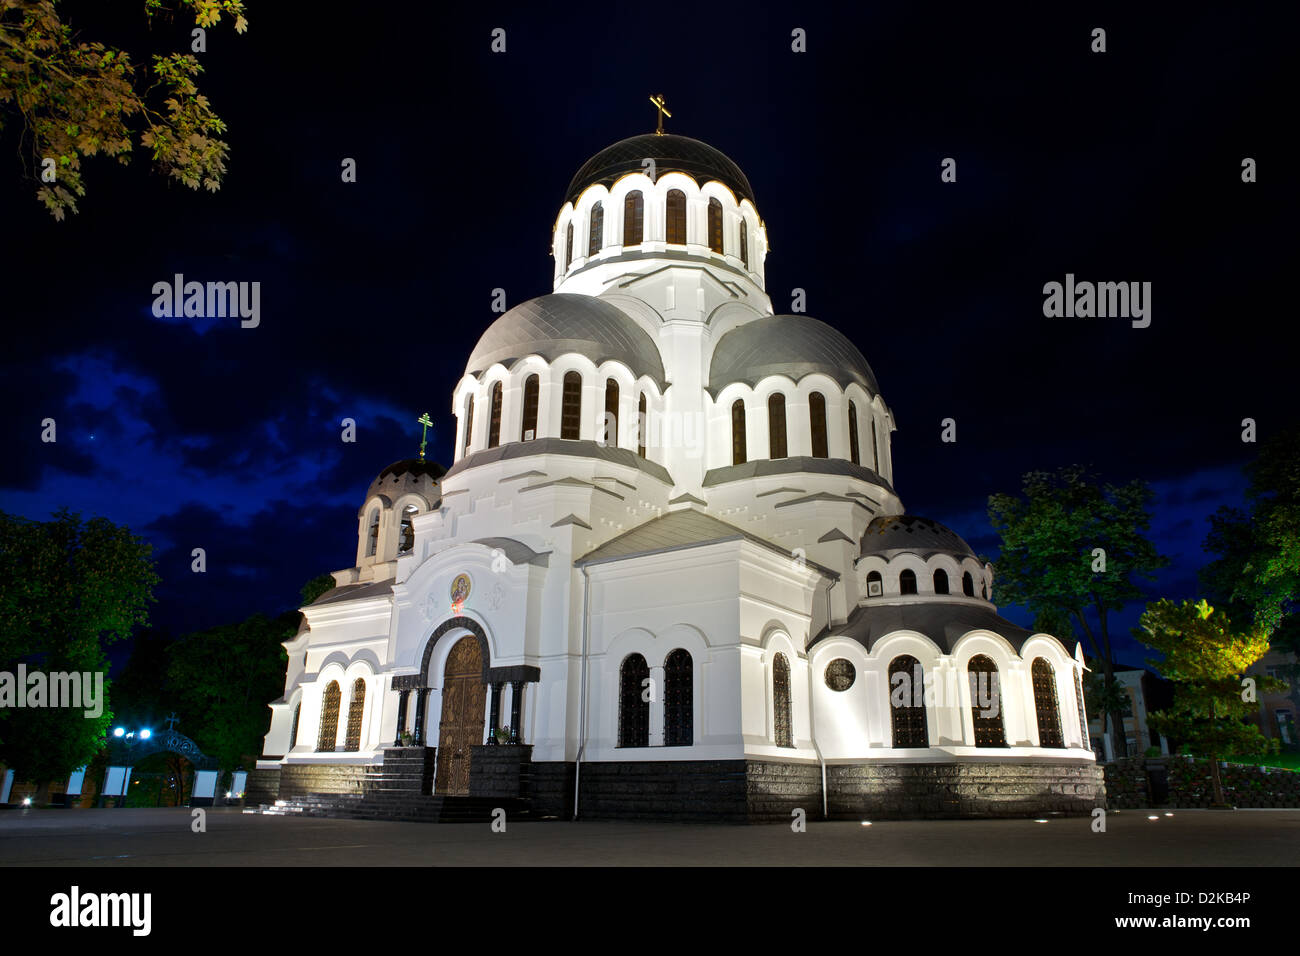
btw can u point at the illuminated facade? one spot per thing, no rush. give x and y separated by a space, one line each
668 555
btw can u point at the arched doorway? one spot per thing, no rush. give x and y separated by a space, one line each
461 724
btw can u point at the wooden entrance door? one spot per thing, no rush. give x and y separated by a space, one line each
461 725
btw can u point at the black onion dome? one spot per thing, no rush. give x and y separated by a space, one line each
911 533
672 154
409 474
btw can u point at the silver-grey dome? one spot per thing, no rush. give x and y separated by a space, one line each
892 533
792 345
552 325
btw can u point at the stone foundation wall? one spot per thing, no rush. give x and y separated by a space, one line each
553 790
914 791
690 790
1128 782
299 779
775 789
262 786
501 771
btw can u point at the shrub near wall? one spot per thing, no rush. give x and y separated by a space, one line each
1189 784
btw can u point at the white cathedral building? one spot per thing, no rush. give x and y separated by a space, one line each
667 573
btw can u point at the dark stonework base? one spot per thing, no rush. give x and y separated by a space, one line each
687 790
915 791
501 771
298 778
262 786
552 795
407 769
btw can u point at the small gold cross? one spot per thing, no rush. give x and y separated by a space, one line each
658 101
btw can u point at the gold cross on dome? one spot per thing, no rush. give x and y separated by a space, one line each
658 101
424 432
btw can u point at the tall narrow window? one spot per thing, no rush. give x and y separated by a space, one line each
738 432
967 584
875 447
528 429
1078 700
940 581
986 702
469 421
293 731
609 428
676 231
494 419
715 226
356 709
853 434
568 246
372 534
633 706
596 237
571 406
1046 704
633 219
907 702
679 710
408 529
744 244
329 718
781 701
817 424
875 585
776 426
907 582
642 423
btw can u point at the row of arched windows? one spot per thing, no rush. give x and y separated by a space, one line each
776 430
634 226
570 412
329 717
907 583
636 692
909 723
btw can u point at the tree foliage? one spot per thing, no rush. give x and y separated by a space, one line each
77 99
316 587
68 589
1205 657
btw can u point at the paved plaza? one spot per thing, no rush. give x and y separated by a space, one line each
164 838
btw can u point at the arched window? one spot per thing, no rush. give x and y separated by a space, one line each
738 432
715 226
633 219
907 702
408 529
875 584
596 237
875 447
372 534
329 718
609 429
986 702
907 581
940 581
967 584
633 704
571 406
293 731
853 435
1046 704
568 246
532 387
494 418
642 423
469 421
781 701
744 244
776 426
817 423
355 711
679 710
676 223
1078 700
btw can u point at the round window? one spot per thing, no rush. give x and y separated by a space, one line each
840 674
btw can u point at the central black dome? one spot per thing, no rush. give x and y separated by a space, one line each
672 154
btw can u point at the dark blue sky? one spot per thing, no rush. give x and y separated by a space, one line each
1123 166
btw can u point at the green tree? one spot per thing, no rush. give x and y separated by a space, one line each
316 587
1049 541
1205 656
68 589
77 99
224 677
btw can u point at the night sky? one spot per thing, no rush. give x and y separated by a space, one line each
1122 166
